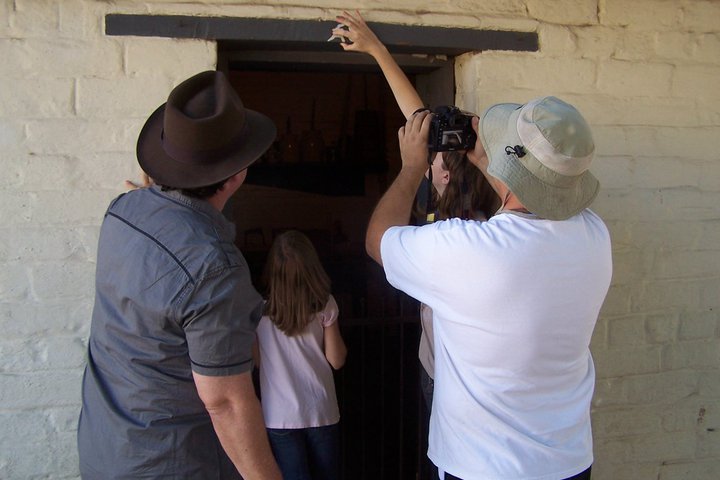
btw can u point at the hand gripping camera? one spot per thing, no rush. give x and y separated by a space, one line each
451 129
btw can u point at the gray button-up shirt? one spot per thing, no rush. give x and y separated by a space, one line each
173 295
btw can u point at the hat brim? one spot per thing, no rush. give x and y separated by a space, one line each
559 200
165 170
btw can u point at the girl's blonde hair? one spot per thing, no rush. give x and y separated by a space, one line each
296 283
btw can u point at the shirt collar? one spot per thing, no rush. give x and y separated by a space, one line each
224 226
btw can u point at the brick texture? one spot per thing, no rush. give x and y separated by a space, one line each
645 73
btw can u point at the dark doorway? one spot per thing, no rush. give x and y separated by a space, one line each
335 153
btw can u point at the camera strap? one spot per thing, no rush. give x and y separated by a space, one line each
429 207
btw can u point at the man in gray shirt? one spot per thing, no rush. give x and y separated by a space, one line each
167 391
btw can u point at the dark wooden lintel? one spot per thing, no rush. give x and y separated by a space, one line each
274 34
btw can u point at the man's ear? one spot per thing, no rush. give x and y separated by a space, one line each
236 180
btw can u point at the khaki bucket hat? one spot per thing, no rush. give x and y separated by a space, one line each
542 151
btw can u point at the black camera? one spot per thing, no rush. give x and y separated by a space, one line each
451 129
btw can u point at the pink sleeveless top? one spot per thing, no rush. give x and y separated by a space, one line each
296 380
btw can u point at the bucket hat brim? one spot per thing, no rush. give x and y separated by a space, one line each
541 190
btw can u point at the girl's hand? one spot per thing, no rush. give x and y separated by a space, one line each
146 182
363 39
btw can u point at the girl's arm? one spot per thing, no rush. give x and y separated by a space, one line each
364 40
335 349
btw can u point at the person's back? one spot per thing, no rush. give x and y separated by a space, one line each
512 330
167 390
296 380
515 299
156 252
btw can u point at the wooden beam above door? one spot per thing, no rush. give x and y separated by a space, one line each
311 35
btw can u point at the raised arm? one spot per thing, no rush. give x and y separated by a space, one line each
364 40
238 421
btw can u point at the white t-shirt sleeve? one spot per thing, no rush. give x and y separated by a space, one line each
408 259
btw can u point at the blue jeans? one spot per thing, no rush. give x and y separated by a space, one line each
307 453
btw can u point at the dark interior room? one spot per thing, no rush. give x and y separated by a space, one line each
335 152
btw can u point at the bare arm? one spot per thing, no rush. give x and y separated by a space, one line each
364 40
395 206
237 417
335 349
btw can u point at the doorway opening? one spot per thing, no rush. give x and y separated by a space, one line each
335 154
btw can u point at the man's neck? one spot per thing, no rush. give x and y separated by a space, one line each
513 204
227 190
217 202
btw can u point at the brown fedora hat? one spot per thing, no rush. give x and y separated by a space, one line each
202 135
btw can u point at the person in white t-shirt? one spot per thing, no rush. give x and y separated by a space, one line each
515 299
299 343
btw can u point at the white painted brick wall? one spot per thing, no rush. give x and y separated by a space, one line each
644 72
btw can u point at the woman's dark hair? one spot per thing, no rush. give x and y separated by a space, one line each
468 194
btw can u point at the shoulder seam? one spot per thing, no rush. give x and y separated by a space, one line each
163 247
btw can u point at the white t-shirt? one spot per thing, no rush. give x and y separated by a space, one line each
515 301
296 380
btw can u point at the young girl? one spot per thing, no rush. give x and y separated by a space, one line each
299 341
